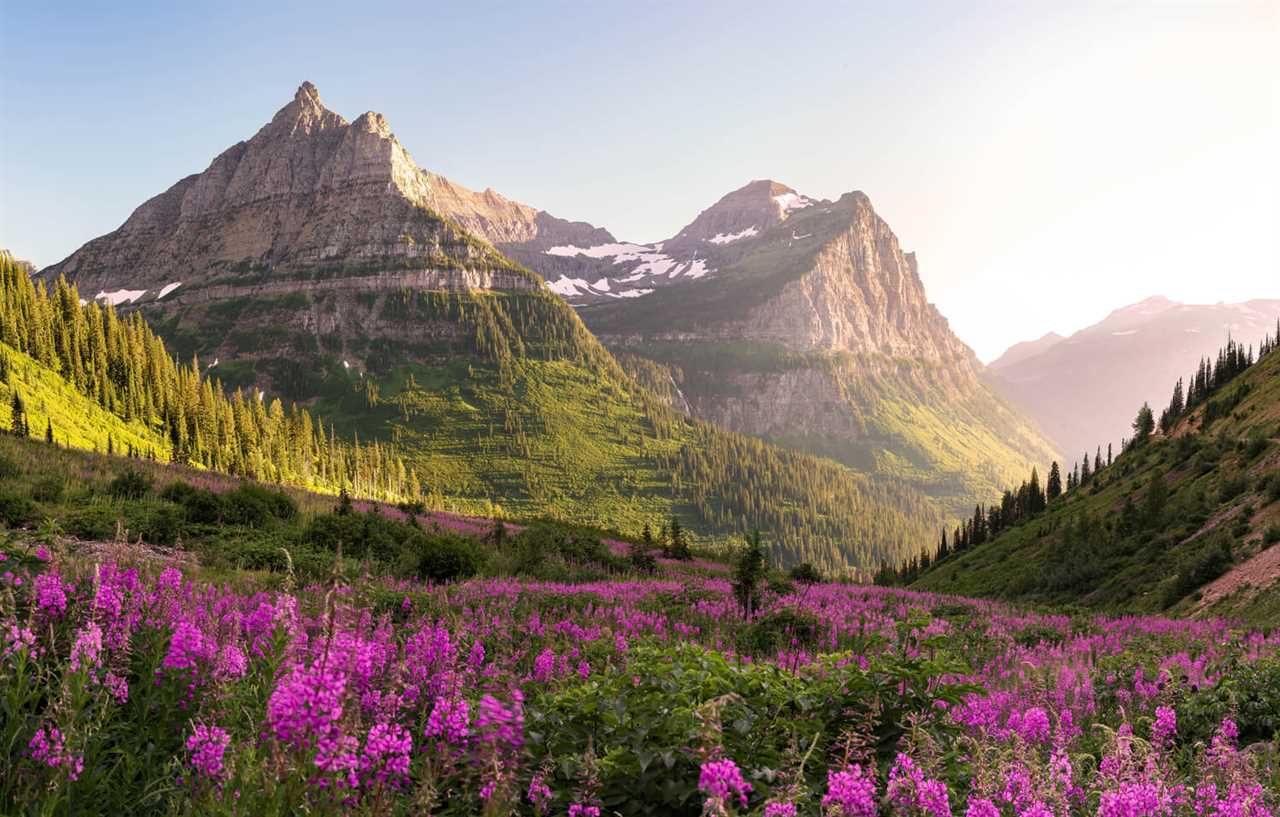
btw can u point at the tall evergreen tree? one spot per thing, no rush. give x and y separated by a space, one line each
18 422
1143 424
1053 489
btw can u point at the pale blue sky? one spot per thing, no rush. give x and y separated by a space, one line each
1046 163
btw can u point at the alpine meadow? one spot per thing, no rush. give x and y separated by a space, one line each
332 486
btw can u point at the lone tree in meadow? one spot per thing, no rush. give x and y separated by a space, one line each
641 552
679 548
748 572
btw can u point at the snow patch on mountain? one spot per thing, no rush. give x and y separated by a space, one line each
167 288
787 202
729 238
601 250
120 296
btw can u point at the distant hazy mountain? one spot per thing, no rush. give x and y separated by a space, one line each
1019 352
1085 390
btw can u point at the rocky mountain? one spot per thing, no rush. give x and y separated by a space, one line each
316 261
806 323
1084 390
311 192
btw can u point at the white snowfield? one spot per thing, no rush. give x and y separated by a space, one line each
729 238
120 296
793 201
600 250
167 288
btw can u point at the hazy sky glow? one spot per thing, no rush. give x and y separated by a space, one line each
1047 164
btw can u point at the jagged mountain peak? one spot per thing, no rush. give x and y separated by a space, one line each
308 191
304 115
743 213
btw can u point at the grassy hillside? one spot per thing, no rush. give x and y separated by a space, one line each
77 421
1153 531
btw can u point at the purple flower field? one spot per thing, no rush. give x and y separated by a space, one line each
137 688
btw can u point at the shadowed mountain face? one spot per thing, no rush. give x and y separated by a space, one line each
1086 389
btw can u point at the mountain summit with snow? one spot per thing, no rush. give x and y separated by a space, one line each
618 271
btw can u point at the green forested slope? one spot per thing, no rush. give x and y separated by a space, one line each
110 384
1149 533
504 401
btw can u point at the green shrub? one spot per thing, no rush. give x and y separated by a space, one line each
645 717
1038 634
130 484
178 491
442 558
204 507
9 467
1232 487
15 509
96 521
1214 560
49 489
156 523
806 573
783 629
1249 691
1272 535
254 506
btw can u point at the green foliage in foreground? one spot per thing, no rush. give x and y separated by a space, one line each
634 726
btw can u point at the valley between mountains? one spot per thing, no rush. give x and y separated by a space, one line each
333 487
318 263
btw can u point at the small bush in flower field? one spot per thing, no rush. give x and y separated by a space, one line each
131 683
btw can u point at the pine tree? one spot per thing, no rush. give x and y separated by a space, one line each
748 573
641 552
1053 489
48 431
679 545
18 423
1143 424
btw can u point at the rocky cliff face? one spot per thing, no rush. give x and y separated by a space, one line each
811 326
